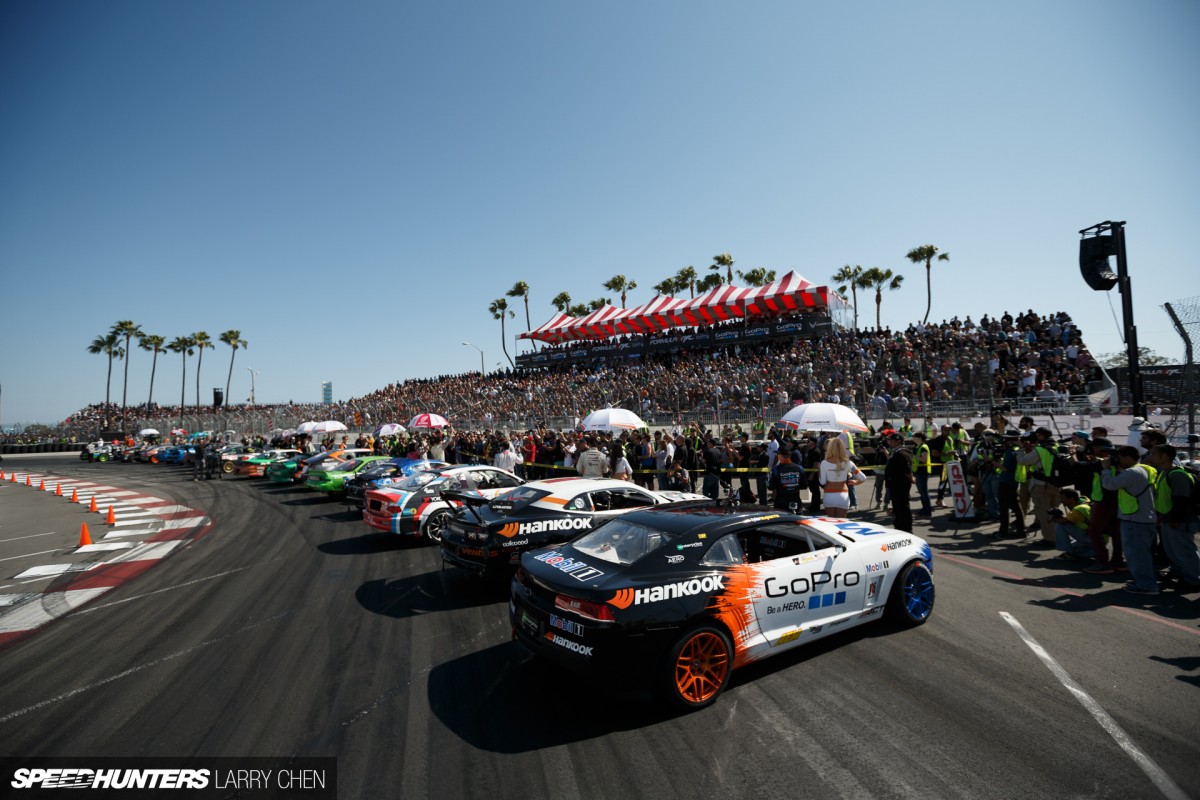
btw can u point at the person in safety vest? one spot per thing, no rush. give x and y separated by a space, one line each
1038 459
1006 488
1134 484
922 468
1175 501
1071 525
1104 526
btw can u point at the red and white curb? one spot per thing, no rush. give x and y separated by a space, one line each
146 530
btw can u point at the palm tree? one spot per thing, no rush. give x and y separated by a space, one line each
757 276
234 339
579 310
562 301
686 279
200 340
618 283
666 286
155 345
926 253
521 289
849 276
710 281
880 279
499 309
128 329
723 261
110 345
182 345
598 303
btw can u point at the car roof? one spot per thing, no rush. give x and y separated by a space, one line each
679 518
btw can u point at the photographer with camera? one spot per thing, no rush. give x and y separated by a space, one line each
1071 525
1134 485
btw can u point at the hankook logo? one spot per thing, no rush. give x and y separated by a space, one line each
624 598
541 526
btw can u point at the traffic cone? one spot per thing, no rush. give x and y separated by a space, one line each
28 480
74 495
92 507
85 538
42 485
58 490
1 474
111 519
12 477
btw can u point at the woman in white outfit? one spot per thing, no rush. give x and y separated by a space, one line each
837 474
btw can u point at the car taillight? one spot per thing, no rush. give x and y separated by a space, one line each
584 608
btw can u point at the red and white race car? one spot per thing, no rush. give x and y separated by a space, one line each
416 506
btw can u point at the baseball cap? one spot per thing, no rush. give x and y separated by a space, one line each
1082 435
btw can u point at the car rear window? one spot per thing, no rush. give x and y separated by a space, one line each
621 542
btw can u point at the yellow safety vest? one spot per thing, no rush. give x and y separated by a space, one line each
1085 514
928 462
1128 503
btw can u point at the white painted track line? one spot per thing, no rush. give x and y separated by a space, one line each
1154 772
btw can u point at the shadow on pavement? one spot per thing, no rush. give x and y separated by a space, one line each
440 590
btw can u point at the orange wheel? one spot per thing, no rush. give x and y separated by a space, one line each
699 667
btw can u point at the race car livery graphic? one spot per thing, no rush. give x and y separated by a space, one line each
679 597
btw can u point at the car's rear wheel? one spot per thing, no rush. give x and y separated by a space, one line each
102 458
697 668
436 524
911 600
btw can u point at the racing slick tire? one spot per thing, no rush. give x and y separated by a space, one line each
436 524
911 600
697 668
227 467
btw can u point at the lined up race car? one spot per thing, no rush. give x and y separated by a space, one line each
383 474
489 537
418 505
675 599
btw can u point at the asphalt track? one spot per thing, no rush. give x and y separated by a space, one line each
292 630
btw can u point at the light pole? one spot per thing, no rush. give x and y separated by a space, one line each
252 372
481 370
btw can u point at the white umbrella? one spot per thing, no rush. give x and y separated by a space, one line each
328 426
428 421
148 432
305 427
178 432
612 419
390 429
824 417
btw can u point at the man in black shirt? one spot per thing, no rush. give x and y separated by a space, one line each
714 459
898 475
786 480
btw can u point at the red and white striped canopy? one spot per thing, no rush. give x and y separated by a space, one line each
789 293
594 326
786 294
548 332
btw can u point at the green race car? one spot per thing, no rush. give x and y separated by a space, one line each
333 479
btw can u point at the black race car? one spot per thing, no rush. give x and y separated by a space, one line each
674 599
489 537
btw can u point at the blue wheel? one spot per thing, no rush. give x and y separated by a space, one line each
911 600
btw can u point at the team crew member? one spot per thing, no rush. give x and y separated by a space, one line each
898 475
591 463
1174 499
786 480
836 475
1133 483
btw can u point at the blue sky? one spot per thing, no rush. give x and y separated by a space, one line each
351 184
